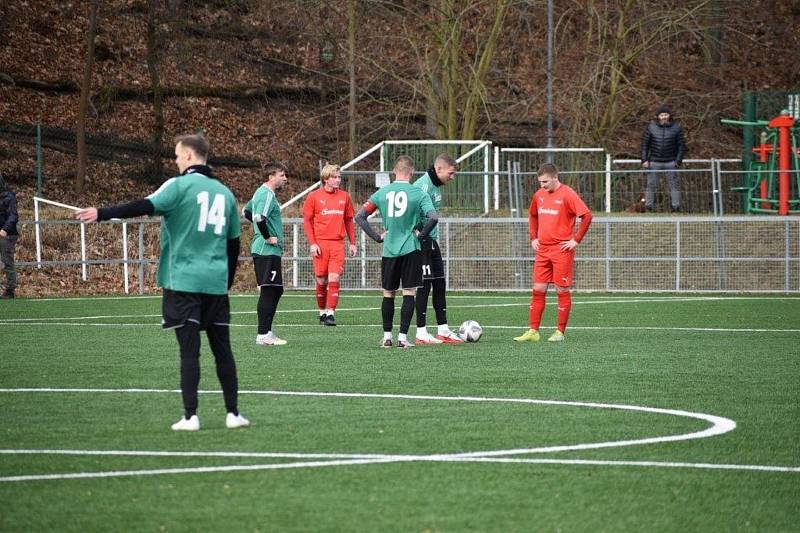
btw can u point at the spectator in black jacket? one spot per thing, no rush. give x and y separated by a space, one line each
8 236
663 147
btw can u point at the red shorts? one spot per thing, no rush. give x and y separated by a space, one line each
330 259
553 265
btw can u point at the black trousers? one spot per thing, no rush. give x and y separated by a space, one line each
220 341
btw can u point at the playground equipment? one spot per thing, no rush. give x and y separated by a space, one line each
767 183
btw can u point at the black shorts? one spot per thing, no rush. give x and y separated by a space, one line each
268 270
178 308
432 262
406 268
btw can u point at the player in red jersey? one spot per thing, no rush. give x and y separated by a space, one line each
327 216
551 224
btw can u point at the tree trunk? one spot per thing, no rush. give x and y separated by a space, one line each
352 28
477 86
713 34
451 77
80 175
153 45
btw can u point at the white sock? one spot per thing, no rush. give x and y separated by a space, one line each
443 329
387 335
329 312
422 332
322 312
401 337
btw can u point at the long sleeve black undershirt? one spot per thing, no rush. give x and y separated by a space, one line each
433 219
137 208
233 259
361 220
260 221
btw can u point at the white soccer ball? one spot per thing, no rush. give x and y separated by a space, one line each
470 331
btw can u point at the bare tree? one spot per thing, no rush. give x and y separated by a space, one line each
352 28
455 70
713 34
438 55
80 175
153 46
617 37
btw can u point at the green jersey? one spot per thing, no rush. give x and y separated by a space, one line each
199 215
426 184
402 207
266 204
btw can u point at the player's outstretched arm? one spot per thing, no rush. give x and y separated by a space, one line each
137 208
87 214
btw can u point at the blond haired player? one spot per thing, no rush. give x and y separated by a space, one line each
327 216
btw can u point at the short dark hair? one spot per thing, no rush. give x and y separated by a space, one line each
404 162
445 159
273 167
197 142
548 169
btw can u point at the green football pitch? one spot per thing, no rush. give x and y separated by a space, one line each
658 413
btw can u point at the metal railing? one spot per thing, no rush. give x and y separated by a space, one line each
611 185
619 254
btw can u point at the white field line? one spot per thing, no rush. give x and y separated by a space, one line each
433 458
389 459
164 453
194 470
522 302
662 328
522 295
340 326
719 425
656 464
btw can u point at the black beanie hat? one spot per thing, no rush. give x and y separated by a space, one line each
664 108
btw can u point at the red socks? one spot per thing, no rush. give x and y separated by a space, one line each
333 295
322 295
564 307
536 309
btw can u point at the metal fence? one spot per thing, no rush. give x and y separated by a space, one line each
706 187
370 170
619 254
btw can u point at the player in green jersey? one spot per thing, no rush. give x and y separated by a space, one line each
402 207
200 232
264 211
441 173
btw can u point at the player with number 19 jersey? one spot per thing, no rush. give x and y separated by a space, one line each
200 215
402 207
